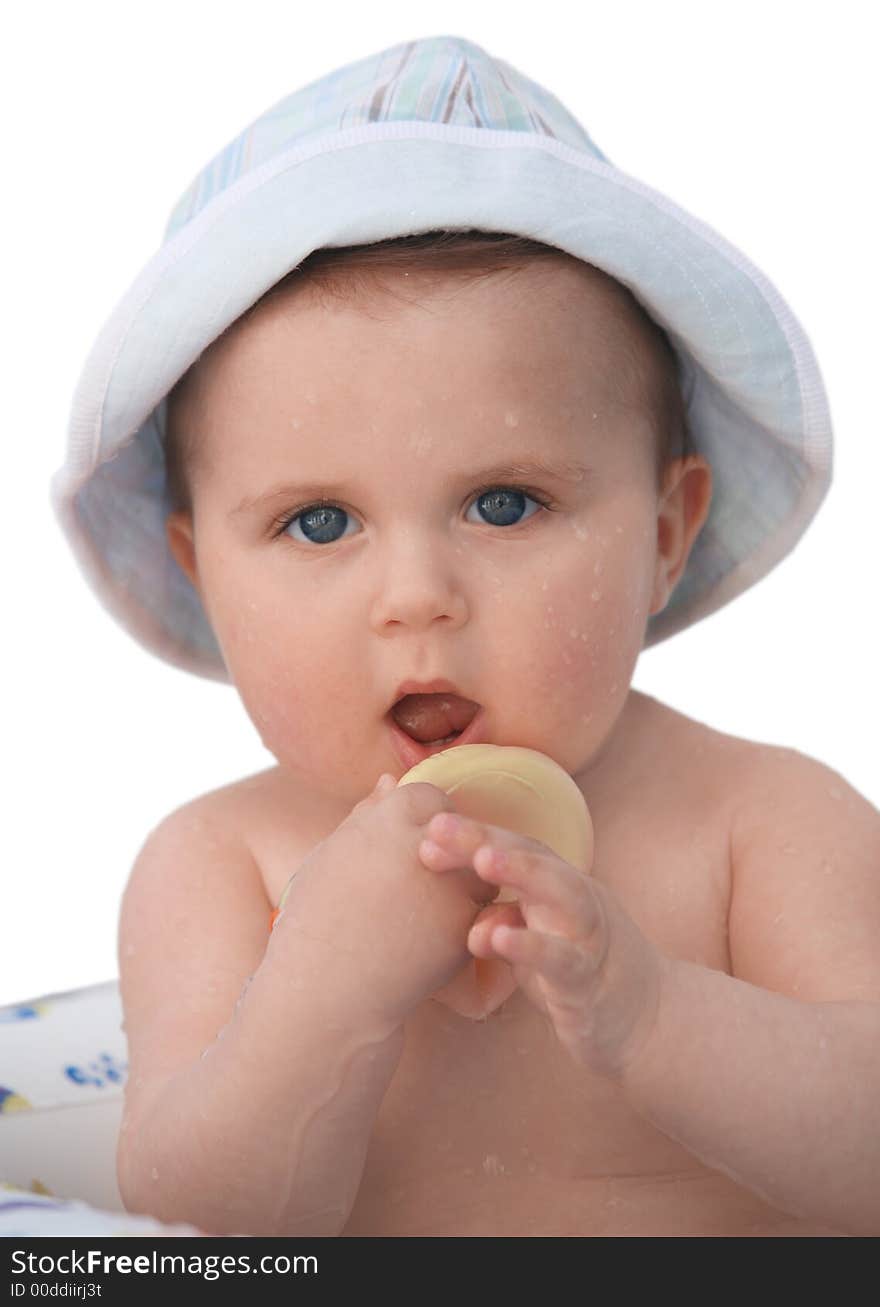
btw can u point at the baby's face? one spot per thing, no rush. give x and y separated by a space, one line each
402 410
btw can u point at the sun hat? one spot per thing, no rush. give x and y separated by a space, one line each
435 133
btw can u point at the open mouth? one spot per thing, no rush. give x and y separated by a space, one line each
424 724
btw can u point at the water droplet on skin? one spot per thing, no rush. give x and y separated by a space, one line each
511 420
835 792
789 849
598 567
154 1174
828 868
596 596
129 950
492 1165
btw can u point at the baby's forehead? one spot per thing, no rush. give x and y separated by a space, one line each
555 329
534 298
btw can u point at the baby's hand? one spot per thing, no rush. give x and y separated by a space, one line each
576 953
384 932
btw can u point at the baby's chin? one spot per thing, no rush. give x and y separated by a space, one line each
479 989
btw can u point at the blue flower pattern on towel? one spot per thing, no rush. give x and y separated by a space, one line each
58 1052
23 1012
106 1071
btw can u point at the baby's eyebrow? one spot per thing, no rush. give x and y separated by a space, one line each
562 470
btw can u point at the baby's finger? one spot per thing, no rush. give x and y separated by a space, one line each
384 785
567 963
541 878
496 914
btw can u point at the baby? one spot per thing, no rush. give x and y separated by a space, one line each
422 424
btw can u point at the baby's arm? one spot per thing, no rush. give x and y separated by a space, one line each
773 1075
264 1127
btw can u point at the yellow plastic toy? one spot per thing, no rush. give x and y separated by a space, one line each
523 791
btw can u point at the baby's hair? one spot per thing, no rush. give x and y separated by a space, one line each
649 368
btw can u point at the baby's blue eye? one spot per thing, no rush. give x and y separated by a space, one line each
324 524
501 505
320 524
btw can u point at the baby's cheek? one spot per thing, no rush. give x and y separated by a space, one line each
267 680
596 625
273 706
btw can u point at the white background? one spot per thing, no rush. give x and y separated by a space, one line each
760 118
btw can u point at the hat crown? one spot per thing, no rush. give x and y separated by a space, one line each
440 79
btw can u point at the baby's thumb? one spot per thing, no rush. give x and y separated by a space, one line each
384 785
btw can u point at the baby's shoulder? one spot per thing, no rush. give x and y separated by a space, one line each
751 762
212 829
764 780
266 816
804 858
753 788
241 808
680 758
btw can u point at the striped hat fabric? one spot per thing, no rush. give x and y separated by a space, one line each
435 134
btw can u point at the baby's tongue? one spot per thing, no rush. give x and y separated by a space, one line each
431 717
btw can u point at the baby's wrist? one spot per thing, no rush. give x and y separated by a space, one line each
314 970
644 1064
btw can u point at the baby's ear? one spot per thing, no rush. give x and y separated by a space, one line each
179 531
684 507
